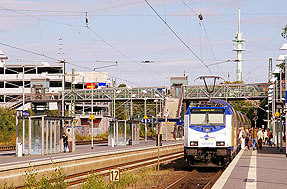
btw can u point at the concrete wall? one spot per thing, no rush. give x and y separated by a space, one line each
82 163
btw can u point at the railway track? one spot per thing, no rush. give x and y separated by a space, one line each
76 179
196 179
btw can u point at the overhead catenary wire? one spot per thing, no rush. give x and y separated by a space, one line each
73 27
203 26
121 53
177 36
80 12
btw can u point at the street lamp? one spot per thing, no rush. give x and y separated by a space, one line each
283 58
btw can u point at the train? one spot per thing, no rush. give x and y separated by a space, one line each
211 134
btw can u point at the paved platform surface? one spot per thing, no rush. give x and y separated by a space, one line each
8 158
252 169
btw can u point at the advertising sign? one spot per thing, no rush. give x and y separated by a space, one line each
91 85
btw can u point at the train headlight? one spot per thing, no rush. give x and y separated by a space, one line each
207 130
193 143
220 143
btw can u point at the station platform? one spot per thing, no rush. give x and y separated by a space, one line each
8 158
252 169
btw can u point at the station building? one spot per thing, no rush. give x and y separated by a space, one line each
46 79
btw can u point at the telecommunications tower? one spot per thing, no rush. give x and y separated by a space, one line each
239 48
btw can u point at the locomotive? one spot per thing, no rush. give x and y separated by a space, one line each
211 134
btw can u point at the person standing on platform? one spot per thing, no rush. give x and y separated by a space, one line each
270 136
260 136
266 136
247 138
70 140
65 141
242 136
253 135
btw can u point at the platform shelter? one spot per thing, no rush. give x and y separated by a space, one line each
124 132
45 134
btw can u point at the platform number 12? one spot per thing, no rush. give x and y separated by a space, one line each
115 175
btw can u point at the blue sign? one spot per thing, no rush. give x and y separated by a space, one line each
25 113
143 120
102 84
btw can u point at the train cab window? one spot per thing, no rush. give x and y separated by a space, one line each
198 119
215 119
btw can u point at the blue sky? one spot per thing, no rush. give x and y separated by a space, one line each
129 32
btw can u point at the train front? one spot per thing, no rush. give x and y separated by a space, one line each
207 135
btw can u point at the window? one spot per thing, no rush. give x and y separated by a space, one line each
215 119
198 119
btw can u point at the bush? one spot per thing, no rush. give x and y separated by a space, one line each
94 182
55 181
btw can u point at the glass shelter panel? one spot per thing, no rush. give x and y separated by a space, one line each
112 130
136 132
36 137
121 133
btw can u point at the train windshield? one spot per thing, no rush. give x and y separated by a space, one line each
207 117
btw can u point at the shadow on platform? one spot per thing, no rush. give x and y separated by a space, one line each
271 150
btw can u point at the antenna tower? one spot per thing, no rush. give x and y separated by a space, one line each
239 48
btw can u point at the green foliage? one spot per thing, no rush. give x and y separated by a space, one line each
7 126
6 186
55 181
58 177
284 32
242 106
234 82
103 136
53 112
122 85
30 178
127 178
94 182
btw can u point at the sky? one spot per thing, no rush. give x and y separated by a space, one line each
175 42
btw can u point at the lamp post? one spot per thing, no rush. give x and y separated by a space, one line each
92 110
284 47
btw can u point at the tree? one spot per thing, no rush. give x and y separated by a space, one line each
284 32
7 125
122 85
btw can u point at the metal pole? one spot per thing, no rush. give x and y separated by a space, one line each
30 136
92 120
114 108
145 127
280 131
131 105
285 104
273 112
166 128
17 138
157 131
280 124
63 99
42 138
23 108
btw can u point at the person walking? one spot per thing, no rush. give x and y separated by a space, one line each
242 136
253 135
65 141
266 136
260 136
70 140
247 138
270 136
